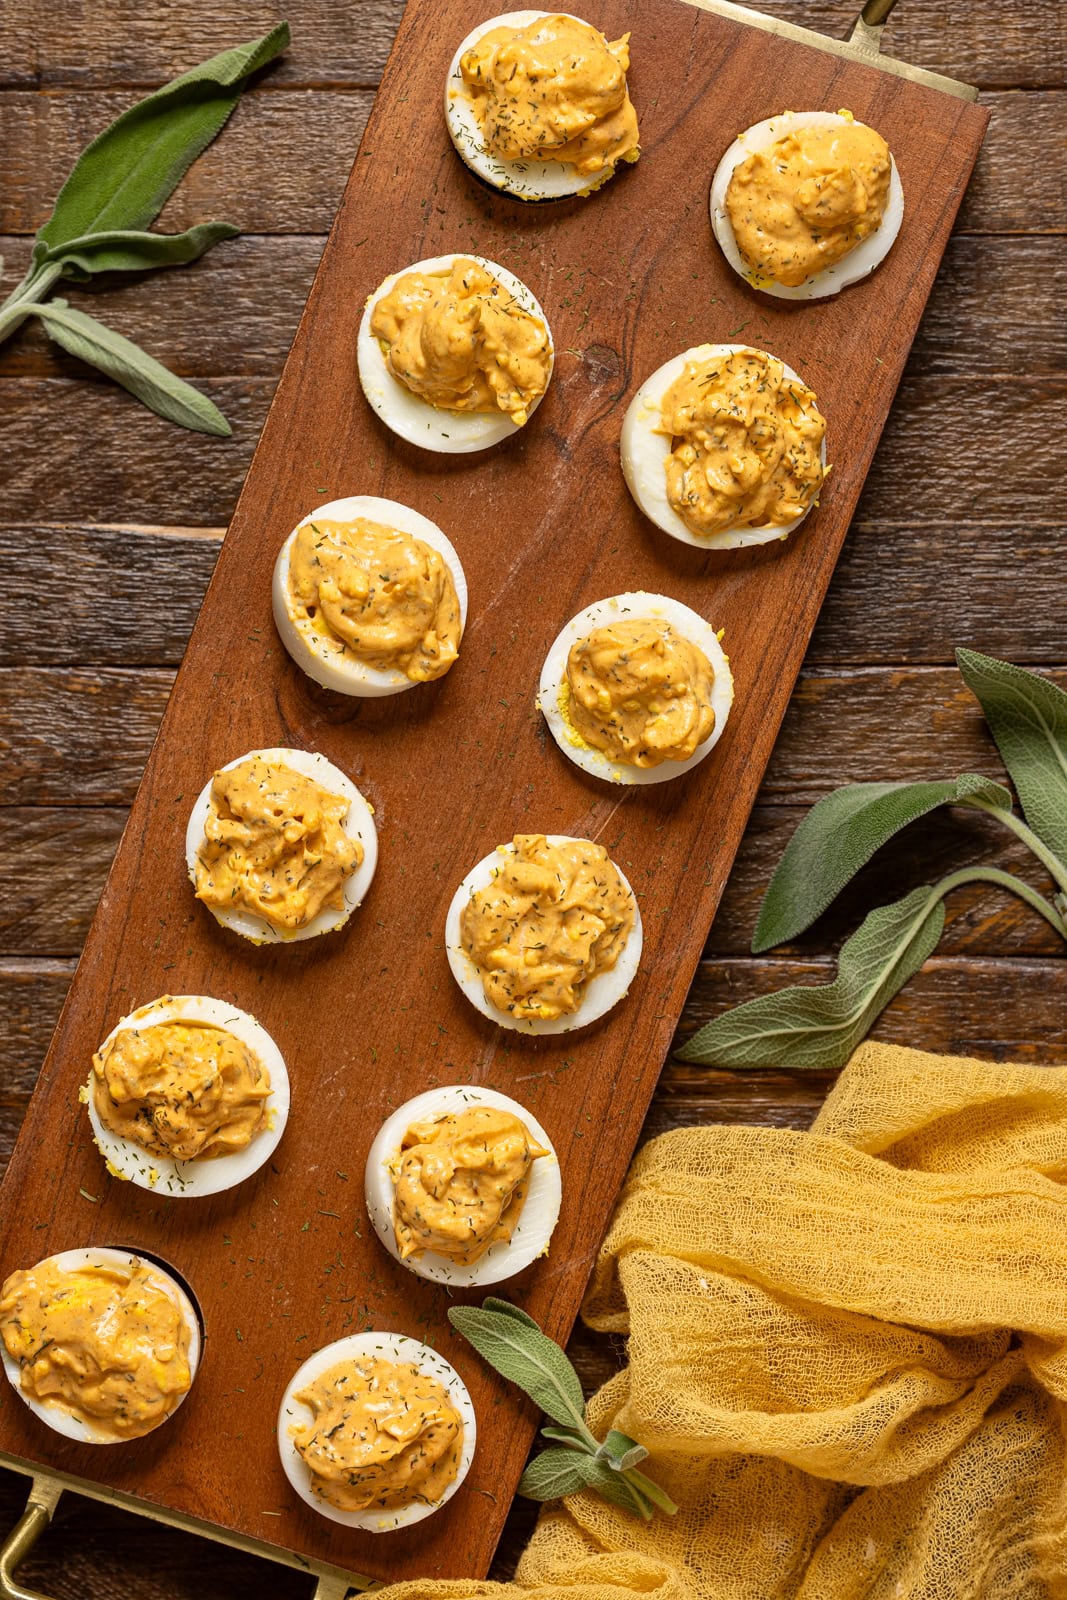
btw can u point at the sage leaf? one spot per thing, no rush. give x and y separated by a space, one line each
621 1452
617 1487
124 178
126 250
816 1029
566 1436
840 834
508 1309
526 1356
1027 716
511 1341
170 397
555 1473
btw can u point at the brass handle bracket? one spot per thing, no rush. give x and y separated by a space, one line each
46 1488
867 30
330 1588
40 1506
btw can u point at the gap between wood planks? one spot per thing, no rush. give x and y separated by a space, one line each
284 178
145 470
67 851
80 738
995 310
138 44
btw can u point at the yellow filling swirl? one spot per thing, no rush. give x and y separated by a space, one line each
552 919
802 205
274 844
460 340
461 1182
745 443
553 90
106 1344
640 692
181 1089
384 1434
382 595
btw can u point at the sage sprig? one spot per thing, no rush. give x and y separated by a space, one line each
516 1347
818 1027
841 834
117 187
82 336
1028 719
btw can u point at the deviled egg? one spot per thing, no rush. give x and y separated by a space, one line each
537 105
376 1431
724 446
454 353
369 597
281 846
463 1186
636 689
544 934
188 1095
805 203
102 1345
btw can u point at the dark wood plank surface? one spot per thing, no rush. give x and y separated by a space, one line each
112 521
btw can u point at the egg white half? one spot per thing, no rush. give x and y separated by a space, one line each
358 824
388 1347
64 1422
125 1159
638 605
415 419
600 994
522 180
540 1211
857 264
644 456
325 658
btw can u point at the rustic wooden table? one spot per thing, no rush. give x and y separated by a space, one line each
110 523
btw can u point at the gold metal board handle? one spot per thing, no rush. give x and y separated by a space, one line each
864 44
46 1489
867 30
40 1504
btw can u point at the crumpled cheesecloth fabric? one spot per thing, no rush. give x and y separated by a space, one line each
848 1353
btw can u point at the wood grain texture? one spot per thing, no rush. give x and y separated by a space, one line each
980 1005
135 41
33 993
235 685
67 852
986 1006
93 1553
934 451
1012 191
995 309
279 167
282 162
129 596
71 736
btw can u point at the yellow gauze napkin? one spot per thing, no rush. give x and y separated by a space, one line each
847 1353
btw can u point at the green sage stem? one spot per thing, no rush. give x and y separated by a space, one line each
1007 880
29 293
1053 866
651 1490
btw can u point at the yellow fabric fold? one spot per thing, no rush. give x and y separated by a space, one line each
847 1353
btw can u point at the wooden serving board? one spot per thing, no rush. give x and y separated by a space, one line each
544 525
